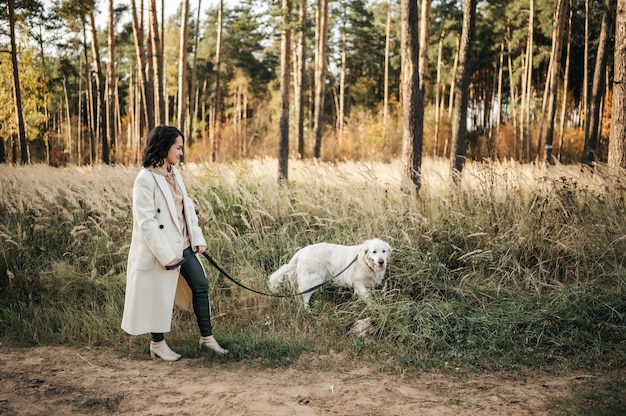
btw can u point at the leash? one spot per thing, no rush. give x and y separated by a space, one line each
276 295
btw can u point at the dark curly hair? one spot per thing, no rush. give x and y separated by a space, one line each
160 139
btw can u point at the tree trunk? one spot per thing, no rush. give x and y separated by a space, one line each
285 56
217 112
88 97
68 145
321 40
565 81
438 95
147 96
592 126
513 93
342 86
412 104
423 45
157 56
17 91
459 125
547 86
301 73
498 106
101 119
386 85
182 67
194 78
529 72
453 81
585 88
111 83
617 138
557 47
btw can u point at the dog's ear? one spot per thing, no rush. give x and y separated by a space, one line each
365 248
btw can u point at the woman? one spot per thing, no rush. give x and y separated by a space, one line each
165 228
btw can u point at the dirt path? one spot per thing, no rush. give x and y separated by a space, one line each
64 381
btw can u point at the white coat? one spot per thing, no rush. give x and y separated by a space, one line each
156 240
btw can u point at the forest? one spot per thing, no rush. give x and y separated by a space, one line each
514 277
83 81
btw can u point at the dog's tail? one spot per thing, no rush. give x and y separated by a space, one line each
284 275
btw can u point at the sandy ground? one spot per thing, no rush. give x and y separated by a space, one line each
66 381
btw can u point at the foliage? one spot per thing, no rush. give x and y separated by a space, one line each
53 45
521 265
33 96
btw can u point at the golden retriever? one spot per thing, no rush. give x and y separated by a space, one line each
320 262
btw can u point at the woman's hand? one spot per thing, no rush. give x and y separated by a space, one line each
200 249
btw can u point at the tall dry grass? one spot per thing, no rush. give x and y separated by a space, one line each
518 265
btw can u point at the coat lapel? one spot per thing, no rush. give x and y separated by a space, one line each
167 193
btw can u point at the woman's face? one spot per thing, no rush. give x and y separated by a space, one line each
175 152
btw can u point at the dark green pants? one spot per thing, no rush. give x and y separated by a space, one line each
193 273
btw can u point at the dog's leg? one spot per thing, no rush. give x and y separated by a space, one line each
309 274
305 300
360 290
362 293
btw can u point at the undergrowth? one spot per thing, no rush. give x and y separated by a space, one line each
518 266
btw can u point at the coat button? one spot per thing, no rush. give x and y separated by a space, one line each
158 209
161 226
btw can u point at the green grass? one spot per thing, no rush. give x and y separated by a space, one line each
593 398
520 266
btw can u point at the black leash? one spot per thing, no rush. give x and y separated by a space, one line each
223 272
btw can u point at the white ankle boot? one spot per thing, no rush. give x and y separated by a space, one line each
162 350
211 343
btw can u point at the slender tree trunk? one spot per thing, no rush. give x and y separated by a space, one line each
285 55
149 69
182 67
617 138
454 71
546 89
157 56
500 75
17 91
44 76
79 121
194 77
301 73
459 125
217 113
529 73
565 81
146 92
438 95
386 86
522 106
412 111
68 129
321 39
100 87
111 84
557 46
342 86
592 126
585 88
423 44
88 97
513 96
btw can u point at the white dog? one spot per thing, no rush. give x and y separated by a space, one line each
317 263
